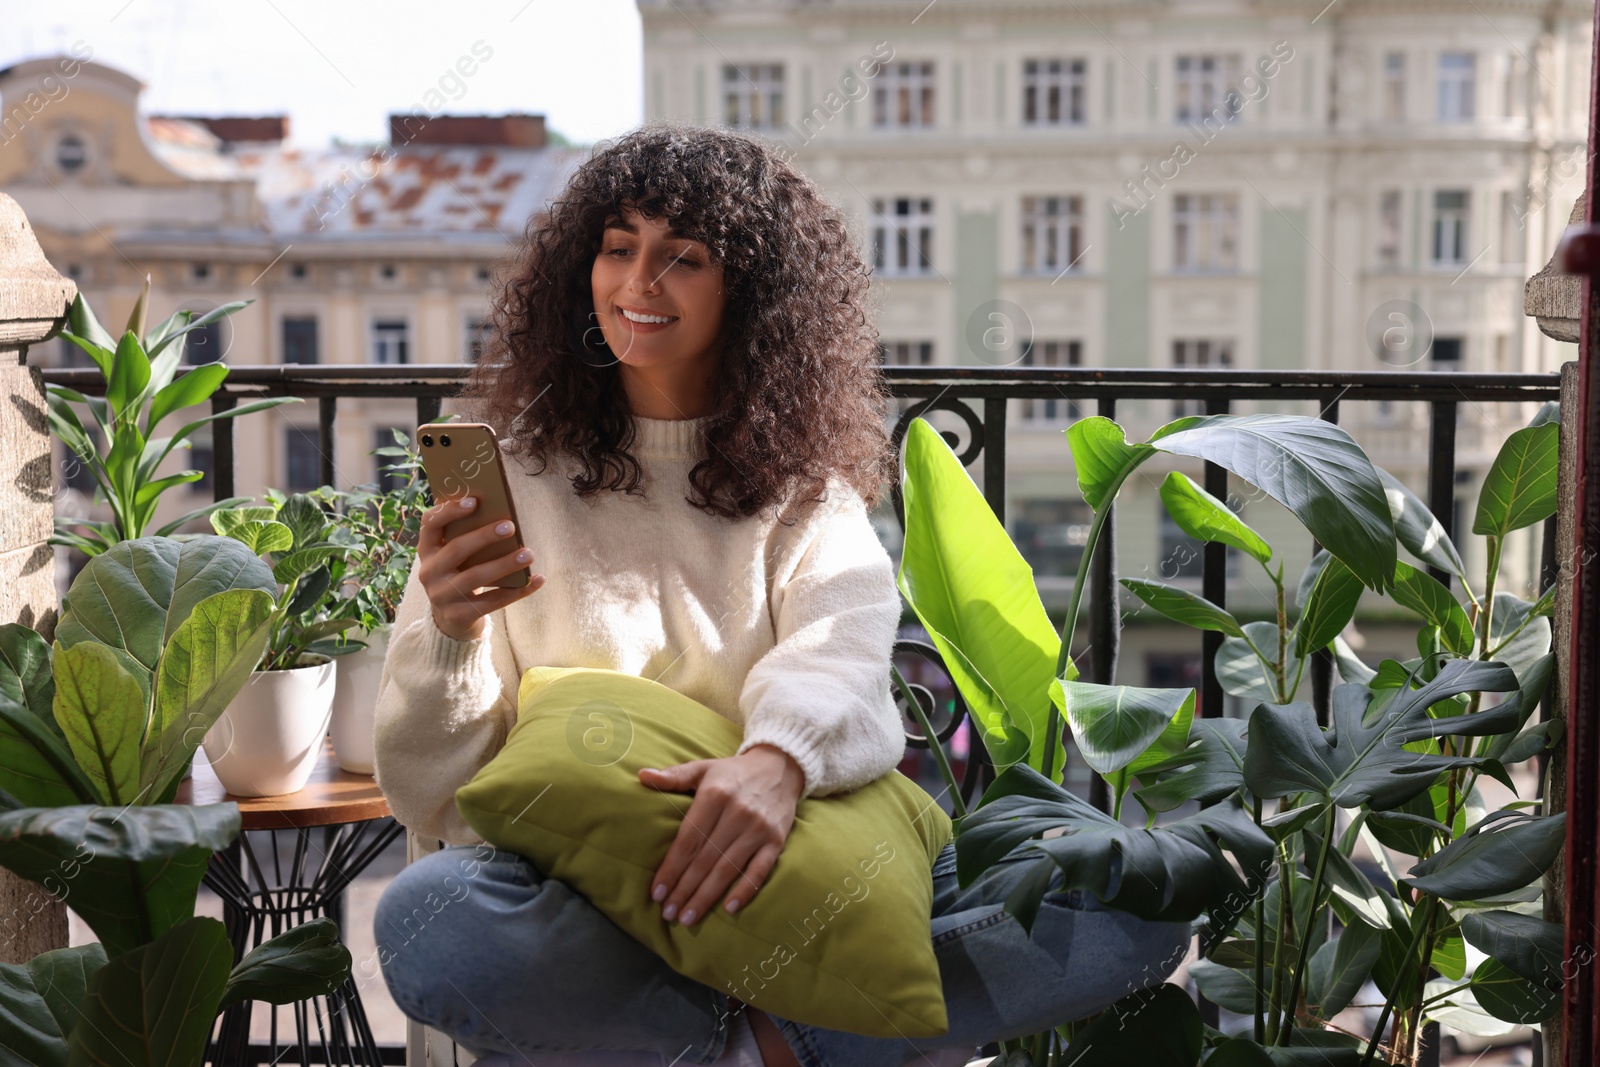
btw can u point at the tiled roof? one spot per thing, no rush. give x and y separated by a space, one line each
376 190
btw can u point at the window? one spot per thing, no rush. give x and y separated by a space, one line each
302 459
1389 228
1165 670
1198 354
1053 92
202 457
203 344
1394 87
905 354
1512 249
200 271
902 235
752 95
1450 226
1205 232
1051 411
388 481
390 339
1052 233
903 95
1208 88
300 339
1446 354
71 154
1051 534
1511 95
1457 86
477 337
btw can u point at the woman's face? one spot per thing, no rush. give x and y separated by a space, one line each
659 300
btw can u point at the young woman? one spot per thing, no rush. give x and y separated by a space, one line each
685 379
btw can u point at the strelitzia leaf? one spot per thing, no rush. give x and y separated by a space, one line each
1205 518
1184 607
1520 488
1424 594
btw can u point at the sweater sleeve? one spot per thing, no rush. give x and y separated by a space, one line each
822 692
444 708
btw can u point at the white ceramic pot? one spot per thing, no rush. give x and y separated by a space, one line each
267 741
355 699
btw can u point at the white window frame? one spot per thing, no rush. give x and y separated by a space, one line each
1205 233
1394 87
1458 85
1205 83
1199 353
1055 91
911 87
753 95
1391 227
1052 234
902 236
1452 230
383 336
904 354
1050 412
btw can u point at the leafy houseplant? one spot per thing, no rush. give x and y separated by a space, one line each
154 638
1396 768
143 388
268 741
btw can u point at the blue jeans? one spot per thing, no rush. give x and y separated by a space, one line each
477 943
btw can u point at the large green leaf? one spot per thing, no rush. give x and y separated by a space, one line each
1171 872
1339 968
1422 534
38 765
1364 762
1184 607
131 873
1504 852
1518 633
1242 673
25 672
155 1006
101 710
305 519
1205 518
307 961
1427 596
1507 995
203 667
974 594
130 373
1114 725
136 595
1103 458
40 1001
304 560
1520 488
82 323
1159 1027
189 389
1329 607
259 535
1210 768
1528 945
1311 467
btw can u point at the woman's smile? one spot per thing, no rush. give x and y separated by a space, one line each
644 320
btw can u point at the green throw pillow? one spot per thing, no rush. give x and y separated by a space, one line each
837 937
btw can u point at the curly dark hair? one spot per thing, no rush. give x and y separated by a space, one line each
799 395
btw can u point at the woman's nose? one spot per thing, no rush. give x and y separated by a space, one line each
645 275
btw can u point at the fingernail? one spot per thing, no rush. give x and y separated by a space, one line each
659 892
469 502
688 917
503 528
669 911
524 556
733 905
652 770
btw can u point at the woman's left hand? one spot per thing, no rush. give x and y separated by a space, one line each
732 833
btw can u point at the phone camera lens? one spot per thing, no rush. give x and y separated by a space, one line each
427 440
444 439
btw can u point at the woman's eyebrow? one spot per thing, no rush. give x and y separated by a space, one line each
615 223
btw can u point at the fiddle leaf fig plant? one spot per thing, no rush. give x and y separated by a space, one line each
142 389
154 639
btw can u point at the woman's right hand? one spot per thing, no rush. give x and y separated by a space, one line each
458 610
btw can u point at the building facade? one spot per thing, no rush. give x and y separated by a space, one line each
1270 184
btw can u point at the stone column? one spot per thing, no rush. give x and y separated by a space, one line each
33 307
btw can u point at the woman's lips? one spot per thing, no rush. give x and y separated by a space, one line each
645 327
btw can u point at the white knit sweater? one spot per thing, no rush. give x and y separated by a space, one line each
787 630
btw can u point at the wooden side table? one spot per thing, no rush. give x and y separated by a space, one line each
353 821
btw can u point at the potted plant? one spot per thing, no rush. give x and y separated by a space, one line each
382 527
267 741
1290 926
143 388
155 636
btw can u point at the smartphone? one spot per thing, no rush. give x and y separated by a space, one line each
463 459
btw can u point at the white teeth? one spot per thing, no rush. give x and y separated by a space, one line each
632 317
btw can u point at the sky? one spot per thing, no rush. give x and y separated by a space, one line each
339 67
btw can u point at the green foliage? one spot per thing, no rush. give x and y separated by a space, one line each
142 388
